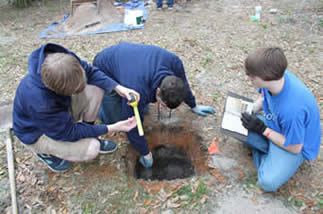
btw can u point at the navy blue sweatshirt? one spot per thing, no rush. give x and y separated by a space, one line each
38 110
141 67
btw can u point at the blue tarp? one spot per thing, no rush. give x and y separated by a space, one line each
135 4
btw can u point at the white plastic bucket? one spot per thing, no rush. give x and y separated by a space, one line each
133 18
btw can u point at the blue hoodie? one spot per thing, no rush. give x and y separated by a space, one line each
38 110
141 67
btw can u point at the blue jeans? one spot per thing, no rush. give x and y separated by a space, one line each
275 165
111 112
159 3
111 108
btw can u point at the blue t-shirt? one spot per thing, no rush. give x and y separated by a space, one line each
294 113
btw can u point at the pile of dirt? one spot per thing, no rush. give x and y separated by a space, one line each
91 17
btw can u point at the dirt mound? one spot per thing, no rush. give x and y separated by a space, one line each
87 17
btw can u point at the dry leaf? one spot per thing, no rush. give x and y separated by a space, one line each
241 175
18 160
309 203
254 200
60 197
202 201
21 178
51 189
147 202
172 205
76 168
136 195
217 174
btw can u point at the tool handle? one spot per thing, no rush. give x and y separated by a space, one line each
139 125
11 169
133 98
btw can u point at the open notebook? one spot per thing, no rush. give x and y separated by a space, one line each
231 124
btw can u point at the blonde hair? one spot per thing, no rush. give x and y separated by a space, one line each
63 74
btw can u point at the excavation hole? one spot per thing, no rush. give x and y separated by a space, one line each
177 149
170 163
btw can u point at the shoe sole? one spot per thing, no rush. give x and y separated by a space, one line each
107 152
54 170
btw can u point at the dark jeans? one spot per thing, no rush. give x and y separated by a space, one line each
159 3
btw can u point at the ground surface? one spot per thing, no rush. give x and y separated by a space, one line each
212 37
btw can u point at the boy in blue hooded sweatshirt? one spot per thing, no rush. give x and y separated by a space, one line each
56 105
157 74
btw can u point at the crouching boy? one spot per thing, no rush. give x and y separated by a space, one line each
289 132
56 105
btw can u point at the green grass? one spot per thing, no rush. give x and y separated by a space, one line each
216 96
265 26
206 61
124 199
88 207
192 196
320 21
3 173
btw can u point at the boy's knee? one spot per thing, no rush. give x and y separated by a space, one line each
94 93
93 150
268 182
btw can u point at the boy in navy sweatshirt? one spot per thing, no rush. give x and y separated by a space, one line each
157 74
56 105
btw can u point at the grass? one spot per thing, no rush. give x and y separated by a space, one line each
88 207
250 181
265 26
3 173
193 196
288 19
216 96
320 21
206 61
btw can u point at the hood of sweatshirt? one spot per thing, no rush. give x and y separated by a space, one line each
37 58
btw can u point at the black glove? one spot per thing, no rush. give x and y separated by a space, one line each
253 123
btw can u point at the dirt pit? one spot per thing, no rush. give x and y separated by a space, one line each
175 145
170 163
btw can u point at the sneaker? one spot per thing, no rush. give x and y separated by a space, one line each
117 3
107 146
170 8
147 160
54 163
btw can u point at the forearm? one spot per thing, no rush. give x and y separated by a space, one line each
113 127
257 106
279 140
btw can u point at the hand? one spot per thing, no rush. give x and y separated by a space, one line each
123 126
125 92
203 110
253 123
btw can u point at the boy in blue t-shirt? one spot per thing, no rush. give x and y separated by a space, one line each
289 132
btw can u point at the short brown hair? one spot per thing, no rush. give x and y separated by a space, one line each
63 74
266 63
172 91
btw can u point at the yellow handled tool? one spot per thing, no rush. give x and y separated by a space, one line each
134 103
